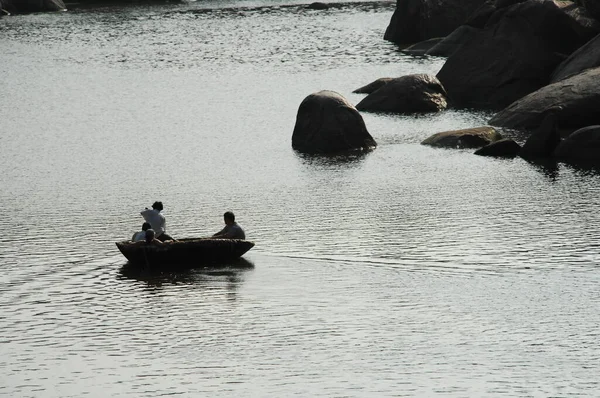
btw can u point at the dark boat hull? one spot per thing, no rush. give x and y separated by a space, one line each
185 252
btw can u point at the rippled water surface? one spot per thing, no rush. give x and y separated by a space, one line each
407 271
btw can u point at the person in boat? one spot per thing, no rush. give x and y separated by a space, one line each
232 229
141 235
157 221
150 238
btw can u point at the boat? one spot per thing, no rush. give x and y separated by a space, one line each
189 252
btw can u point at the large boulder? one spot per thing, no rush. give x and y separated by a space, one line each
460 37
513 55
417 20
504 148
586 57
577 96
407 94
373 86
27 6
581 147
328 123
543 141
466 138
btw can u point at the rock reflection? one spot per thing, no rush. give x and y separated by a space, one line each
348 159
546 166
230 272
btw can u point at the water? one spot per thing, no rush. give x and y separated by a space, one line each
409 271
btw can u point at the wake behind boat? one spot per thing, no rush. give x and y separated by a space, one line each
190 252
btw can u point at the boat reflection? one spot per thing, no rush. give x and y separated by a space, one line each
230 272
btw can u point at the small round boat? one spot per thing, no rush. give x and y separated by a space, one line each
191 252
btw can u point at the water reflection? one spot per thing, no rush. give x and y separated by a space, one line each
546 166
353 158
230 272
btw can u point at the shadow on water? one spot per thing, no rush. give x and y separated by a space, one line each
231 272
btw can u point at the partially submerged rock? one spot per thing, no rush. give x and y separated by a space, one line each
466 138
504 148
317 5
328 123
27 6
376 85
581 147
407 94
417 20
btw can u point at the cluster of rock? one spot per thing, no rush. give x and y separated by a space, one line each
535 62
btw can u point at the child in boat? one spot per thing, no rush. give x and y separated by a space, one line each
150 238
141 235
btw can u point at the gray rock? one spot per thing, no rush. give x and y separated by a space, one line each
417 20
514 55
466 138
578 96
327 123
504 148
581 147
407 94
373 86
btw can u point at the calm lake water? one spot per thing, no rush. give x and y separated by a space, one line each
409 271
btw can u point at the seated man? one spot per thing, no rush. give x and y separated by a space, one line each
141 235
232 230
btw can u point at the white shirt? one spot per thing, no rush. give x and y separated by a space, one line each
156 220
138 236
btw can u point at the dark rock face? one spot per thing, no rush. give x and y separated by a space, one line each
27 6
543 141
327 123
376 85
505 148
586 57
578 96
447 46
418 20
407 94
318 6
467 138
514 55
581 147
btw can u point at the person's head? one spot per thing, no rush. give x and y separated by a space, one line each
146 226
149 235
157 206
229 217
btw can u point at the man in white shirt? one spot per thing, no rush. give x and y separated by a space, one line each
157 221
